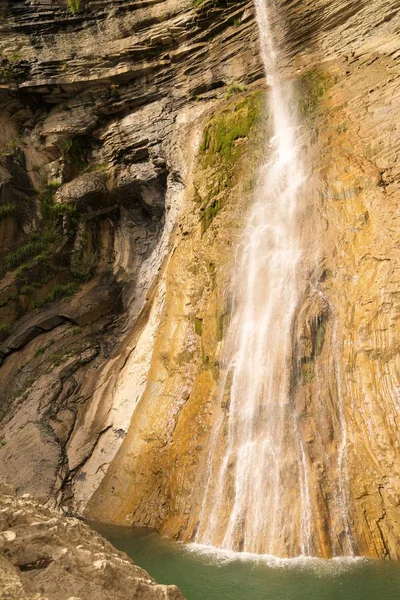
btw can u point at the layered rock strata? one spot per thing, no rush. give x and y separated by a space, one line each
141 124
98 114
345 364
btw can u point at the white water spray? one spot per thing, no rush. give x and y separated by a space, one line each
257 453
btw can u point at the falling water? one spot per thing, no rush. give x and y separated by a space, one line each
257 452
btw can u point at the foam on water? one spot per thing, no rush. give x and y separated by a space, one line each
315 564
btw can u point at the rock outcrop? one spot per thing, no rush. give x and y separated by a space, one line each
44 556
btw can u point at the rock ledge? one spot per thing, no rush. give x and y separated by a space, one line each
47 557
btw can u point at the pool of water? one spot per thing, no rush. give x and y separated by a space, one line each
202 574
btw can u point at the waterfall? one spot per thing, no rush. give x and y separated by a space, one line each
257 454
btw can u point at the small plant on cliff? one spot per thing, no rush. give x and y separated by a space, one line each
7 210
12 68
84 264
76 151
12 149
37 245
58 292
51 210
233 89
74 6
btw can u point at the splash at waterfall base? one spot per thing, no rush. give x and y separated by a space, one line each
344 344
222 575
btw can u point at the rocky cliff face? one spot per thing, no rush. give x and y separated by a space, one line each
130 150
98 116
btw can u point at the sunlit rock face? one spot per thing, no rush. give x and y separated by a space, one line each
345 337
100 112
113 398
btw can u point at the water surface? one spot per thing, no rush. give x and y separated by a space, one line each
204 575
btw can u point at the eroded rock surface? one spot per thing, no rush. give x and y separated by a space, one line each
345 370
98 113
47 557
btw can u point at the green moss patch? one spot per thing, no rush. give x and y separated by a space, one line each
312 88
8 210
74 6
30 250
224 142
221 136
198 326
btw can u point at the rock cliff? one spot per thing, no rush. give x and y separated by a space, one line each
131 134
98 115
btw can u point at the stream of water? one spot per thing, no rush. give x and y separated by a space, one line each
205 574
257 462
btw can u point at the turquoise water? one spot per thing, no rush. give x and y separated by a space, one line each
203 575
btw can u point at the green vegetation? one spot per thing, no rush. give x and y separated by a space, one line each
12 150
233 89
220 328
223 144
313 87
84 264
14 57
7 210
100 167
307 371
198 326
318 331
59 357
34 248
46 268
209 212
52 211
42 349
11 69
74 6
57 293
36 272
114 90
76 150
7 73
221 136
